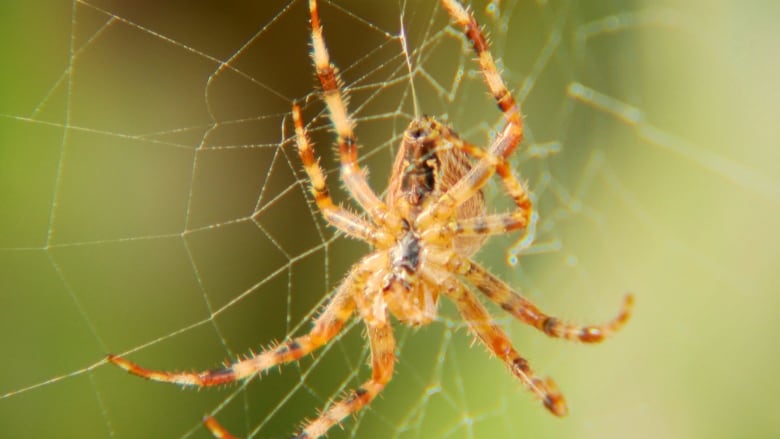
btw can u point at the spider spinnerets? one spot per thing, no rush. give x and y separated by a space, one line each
431 222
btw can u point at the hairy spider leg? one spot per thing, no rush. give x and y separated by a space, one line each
493 224
506 102
481 323
382 344
503 145
502 294
326 326
330 81
336 216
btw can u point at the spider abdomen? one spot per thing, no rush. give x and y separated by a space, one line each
430 160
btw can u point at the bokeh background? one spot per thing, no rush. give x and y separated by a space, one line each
152 205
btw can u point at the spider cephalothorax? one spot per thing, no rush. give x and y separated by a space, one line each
423 236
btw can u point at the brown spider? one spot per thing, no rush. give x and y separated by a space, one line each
432 220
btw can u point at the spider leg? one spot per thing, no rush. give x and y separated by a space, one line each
217 430
495 224
504 144
353 176
490 224
514 188
336 216
326 326
523 309
480 322
382 344
382 358
504 99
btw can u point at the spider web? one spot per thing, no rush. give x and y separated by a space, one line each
154 207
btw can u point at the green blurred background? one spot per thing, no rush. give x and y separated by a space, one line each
152 205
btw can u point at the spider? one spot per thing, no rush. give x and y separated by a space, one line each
423 233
